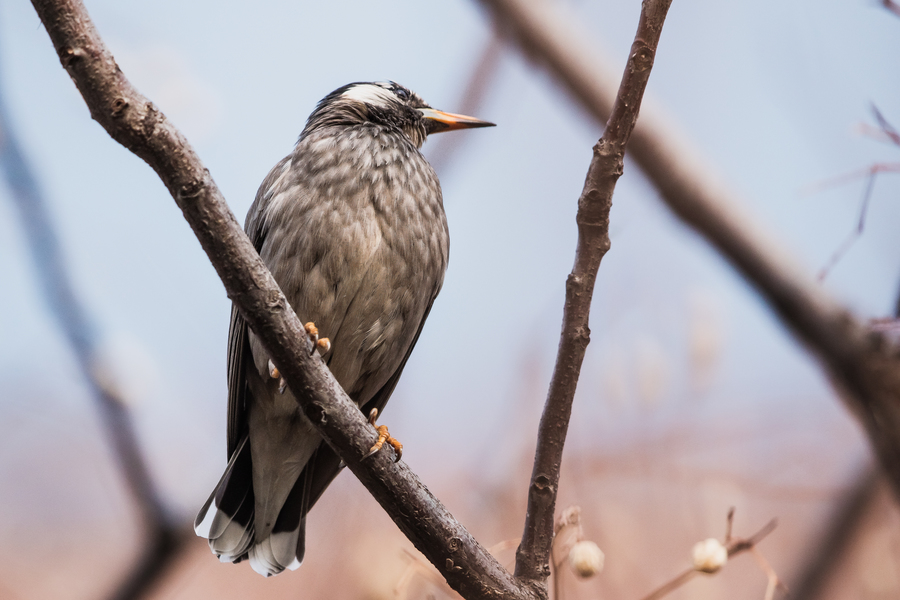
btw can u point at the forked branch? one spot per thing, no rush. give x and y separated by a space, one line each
731 548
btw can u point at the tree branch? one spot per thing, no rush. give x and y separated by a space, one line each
733 546
533 555
139 126
862 364
892 6
831 545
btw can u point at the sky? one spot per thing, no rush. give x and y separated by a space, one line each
772 93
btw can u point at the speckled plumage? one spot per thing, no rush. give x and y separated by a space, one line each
352 226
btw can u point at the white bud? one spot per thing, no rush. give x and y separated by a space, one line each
586 559
709 555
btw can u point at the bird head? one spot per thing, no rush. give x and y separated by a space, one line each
387 104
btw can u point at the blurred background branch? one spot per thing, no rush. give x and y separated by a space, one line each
163 536
836 537
707 565
862 364
842 528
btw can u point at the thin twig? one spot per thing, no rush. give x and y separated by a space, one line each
886 131
857 231
734 546
161 538
863 365
886 128
139 126
672 585
775 582
738 545
851 176
532 557
729 524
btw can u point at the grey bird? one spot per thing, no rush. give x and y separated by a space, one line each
352 226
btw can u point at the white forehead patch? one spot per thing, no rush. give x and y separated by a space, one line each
369 93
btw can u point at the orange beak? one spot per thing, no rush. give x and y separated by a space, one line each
439 121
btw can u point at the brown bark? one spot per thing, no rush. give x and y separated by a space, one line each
135 123
533 555
863 365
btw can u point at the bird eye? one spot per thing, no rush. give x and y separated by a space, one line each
402 94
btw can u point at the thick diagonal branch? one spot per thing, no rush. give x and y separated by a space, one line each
139 126
863 365
533 555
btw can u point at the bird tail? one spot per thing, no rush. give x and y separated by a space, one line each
227 520
285 546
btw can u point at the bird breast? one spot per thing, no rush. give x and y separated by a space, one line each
356 236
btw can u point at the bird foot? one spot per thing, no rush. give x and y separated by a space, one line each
274 373
323 345
383 436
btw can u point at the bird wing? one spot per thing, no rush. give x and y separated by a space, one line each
239 355
381 396
238 359
324 465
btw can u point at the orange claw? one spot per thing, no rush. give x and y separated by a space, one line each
275 374
383 436
273 371
323 345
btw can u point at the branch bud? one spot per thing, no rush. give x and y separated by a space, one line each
586 559
709 555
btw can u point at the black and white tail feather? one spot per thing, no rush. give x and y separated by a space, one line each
227 521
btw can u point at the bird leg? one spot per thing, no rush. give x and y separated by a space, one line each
383 436
323 345
274 373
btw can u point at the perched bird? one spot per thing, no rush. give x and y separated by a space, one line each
352 226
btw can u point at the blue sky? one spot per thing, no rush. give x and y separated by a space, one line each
770 92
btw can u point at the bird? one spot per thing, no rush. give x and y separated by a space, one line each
351 225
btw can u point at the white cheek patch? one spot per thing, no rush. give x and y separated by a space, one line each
373 95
